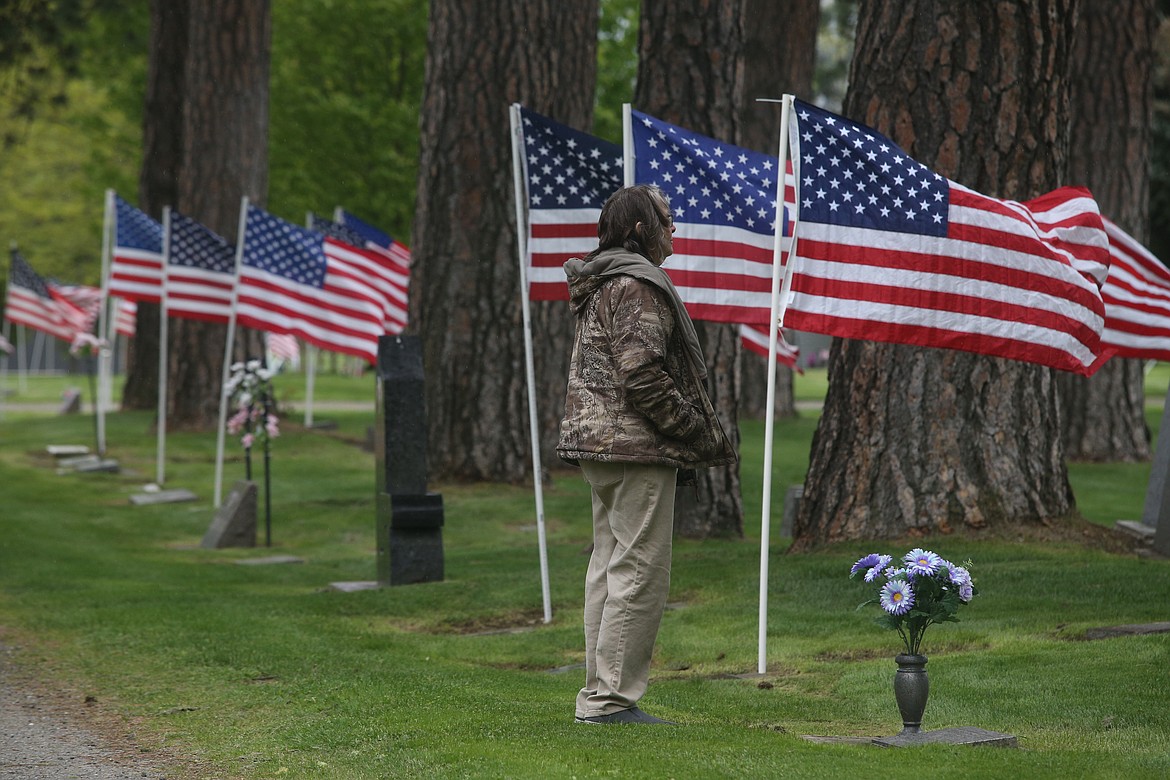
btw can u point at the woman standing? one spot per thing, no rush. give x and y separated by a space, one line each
636 412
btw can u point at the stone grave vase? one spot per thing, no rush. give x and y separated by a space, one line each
911 689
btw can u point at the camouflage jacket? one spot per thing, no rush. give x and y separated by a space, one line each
635 392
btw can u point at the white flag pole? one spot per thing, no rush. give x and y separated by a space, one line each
520 191
105 353
765 521
38 348
627 146
163 353
4 358
22 362
8 336
227 354
310 381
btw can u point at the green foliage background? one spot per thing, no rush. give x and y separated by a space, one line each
344 99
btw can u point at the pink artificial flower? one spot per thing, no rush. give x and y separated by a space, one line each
236 423
248 440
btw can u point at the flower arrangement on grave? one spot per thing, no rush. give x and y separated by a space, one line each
923 589
249 391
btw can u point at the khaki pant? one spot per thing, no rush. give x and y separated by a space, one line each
627 581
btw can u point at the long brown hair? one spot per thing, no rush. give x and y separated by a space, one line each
617 225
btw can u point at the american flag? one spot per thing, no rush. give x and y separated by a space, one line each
284 348
353 253
568 175
755 339
888 250
368 232
126 318
724 202
136 267
286 286
201 272
397 252
79 305
1137 299
573 173
29 301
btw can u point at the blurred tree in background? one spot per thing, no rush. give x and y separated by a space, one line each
346 89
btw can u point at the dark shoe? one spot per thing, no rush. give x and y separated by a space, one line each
632 715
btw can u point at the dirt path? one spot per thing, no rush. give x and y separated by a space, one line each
47 734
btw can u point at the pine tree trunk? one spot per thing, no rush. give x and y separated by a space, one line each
690 73
225 157
779 57
1112 113
920 440
465 301
158 180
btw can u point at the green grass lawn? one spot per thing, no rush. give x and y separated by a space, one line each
266 672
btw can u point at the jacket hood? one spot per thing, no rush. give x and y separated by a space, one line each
587 274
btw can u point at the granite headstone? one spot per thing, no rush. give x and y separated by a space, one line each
409 520
235 522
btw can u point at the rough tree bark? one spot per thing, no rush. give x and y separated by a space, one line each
1112 113
162 130
913 440
690 73
779 56
224 157
465 279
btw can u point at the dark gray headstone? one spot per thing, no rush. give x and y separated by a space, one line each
409 538
400 431
235 522
409 520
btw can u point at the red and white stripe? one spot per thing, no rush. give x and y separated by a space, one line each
344 315
199 293
755 339
1137 299
78 305
136 274
385 271
126 318
555 236
24 307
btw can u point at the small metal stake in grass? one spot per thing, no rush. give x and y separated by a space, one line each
267 481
